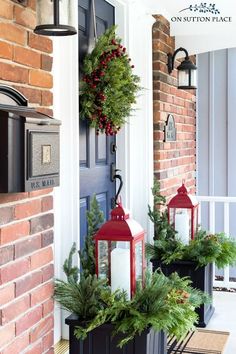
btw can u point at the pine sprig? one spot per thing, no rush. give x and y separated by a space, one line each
72 273
159 216
87 255
83 298
108 88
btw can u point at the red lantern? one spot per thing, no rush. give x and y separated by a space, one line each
183 214
120 251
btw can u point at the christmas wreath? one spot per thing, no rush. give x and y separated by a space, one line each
108 87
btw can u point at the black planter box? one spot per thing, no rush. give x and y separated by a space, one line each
202 279
101 341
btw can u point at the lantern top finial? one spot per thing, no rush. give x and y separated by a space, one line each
183 199
182 189
119 213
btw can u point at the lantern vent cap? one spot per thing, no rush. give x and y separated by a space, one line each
120 226
119 213
182 189
183 199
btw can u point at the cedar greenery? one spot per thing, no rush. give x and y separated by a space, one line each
87 255
203 249
164 304
108 87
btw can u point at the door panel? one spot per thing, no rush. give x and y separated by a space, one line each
96 156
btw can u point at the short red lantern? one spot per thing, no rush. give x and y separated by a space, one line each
120 251
183 214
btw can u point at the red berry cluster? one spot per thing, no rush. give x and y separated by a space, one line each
95 81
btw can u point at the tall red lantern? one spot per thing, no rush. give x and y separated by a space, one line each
120 251
183 214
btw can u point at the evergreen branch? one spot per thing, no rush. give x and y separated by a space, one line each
95 219
72 273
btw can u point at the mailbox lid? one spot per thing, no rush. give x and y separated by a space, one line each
29 115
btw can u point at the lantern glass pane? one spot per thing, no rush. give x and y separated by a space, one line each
103 260
193 78
139 262
120 266
182 224
183 77
45 12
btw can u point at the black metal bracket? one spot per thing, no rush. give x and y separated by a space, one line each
171 58
118 176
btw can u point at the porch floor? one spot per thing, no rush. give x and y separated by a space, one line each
224 318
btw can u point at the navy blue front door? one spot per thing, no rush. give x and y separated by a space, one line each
97 153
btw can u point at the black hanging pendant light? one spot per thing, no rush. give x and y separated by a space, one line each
187 71
55 18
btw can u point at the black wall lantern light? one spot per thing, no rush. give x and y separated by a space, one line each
55 18
187 71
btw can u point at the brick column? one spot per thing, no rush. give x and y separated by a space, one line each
26 219
173 161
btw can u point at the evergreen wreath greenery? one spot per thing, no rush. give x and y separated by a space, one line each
164 303
108 87
205 248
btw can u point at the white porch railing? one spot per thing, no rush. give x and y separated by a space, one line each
211 202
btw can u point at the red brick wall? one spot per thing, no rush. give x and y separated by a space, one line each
26 219
173 161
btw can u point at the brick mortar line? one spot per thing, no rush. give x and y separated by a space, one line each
26 46
155 40
24 332
173 104
22 240
18 298
174 159
23 66
169 112
28 218
23 201
25 238
29 272
31 345
24 295
15 23
171 168
172 95
33 272
29 86
174 148
18 45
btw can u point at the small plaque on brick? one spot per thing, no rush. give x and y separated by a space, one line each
170 130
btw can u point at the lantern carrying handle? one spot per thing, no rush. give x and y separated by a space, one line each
118 176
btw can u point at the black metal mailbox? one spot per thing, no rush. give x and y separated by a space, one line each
29 150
